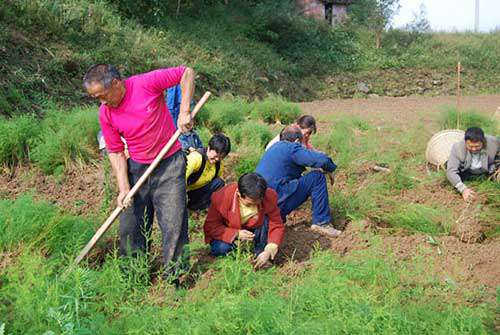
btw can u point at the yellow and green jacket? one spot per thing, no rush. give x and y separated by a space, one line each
195 178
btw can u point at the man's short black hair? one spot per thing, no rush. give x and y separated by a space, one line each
220 143
252 185
475 134
101 73
307 122
291 134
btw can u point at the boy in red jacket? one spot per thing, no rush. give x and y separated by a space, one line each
246 211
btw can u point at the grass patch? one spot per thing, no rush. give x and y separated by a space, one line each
275 109
16 138
363 294
339 143
470 118
250 133
40 225
248 158
67 138
399 179
61 139
420 218
220 114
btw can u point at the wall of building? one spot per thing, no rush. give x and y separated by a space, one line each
312 8
339 14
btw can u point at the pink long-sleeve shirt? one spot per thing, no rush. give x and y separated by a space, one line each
142 118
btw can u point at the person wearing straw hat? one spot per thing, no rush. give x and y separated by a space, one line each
134 109
477 154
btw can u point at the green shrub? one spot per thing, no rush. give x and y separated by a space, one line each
219 114
471 118
248 158
17 137
67 138
399 179
23 221
419 218
204 134
338 143
275 109
250 133
365 294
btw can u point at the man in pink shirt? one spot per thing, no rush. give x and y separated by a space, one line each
135 109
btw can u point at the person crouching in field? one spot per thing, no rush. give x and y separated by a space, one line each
246 211
204 171
282 167
307 126
476 155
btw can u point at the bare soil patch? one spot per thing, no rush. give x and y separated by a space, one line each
79 191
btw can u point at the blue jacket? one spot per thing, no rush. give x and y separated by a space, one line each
173 99
284 162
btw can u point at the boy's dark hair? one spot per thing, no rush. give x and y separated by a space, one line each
101 73
307 122
291 134
252 185
220 143
475 134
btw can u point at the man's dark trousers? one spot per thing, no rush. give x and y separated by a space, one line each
164 192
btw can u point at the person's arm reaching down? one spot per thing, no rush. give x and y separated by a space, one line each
116 154
275 234
452 172
315 159
184 123
214 226
119 165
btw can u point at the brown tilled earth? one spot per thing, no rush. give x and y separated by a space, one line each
470 265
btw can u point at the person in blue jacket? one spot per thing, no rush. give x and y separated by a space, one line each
282 166
190 141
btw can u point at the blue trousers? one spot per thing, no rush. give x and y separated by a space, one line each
220 248
312 184
200 198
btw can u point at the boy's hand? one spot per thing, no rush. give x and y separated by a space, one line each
245 235
262 259
269 252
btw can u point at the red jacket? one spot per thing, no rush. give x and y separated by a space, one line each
223 219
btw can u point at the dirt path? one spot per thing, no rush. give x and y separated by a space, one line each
398 110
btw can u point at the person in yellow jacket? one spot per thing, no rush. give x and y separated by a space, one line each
204 171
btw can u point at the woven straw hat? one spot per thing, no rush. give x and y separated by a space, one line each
439 146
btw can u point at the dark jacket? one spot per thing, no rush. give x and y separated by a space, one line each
284 162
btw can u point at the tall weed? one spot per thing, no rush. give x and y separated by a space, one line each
275 109
219 114
17 137
420 218
67 138
451 118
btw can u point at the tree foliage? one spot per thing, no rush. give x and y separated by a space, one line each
375 15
